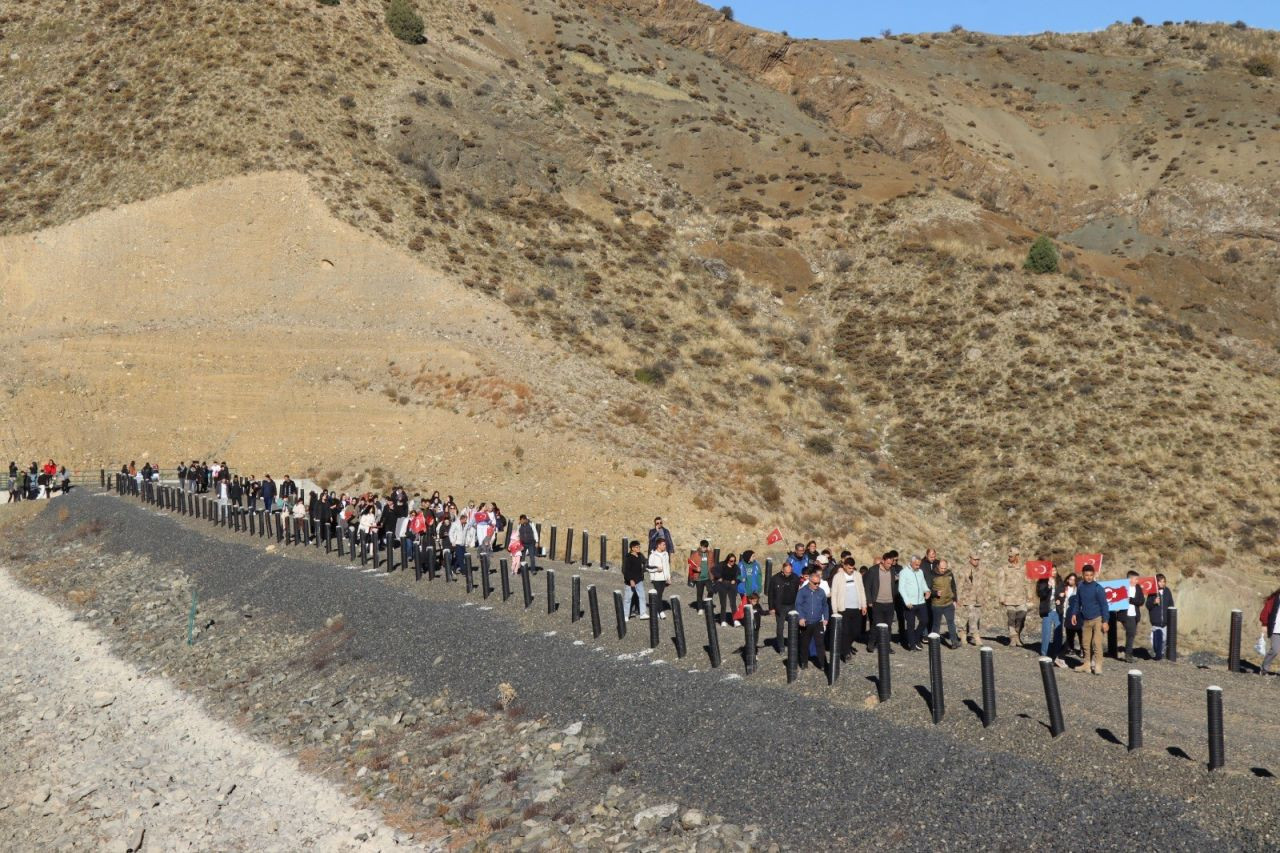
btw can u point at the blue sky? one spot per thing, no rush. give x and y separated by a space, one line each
831 19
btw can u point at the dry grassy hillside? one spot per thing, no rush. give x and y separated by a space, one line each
783 275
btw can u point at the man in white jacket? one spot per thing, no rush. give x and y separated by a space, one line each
659 571
849 599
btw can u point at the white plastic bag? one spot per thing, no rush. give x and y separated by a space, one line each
1261 646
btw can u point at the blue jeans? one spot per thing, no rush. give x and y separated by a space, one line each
628 591
1051 635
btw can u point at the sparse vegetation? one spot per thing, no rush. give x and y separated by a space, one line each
1259 66
726 12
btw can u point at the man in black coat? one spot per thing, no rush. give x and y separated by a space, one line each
634 568
881 584
782 600
268 493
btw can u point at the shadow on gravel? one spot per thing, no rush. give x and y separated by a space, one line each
1178 752
926 695
974 707
1262 773
1108 735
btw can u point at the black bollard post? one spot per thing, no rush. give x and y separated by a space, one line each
527 587
833 653
446 557
713 634
1171 635
1217 749
617 610
551 549
1135 709
279 525
429 562
653 619
1056 726
390 541
575 598
467 573
884 684
417 561
937 705
626 549
504 577
793 646
677 626
987 664
102 476
568 546
1113 639
604 552
586 545
253 524
715 556
363 541
486 584
749 640
551 591
593 604
768 572
1233 650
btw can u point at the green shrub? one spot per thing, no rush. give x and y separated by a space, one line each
727 11
328 2
1259 67
1043 256
404 22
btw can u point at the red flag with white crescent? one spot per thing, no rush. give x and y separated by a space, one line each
1038 570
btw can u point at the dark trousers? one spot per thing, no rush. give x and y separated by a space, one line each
850 631
531 551
879 613
728 593
704 590
659 587
812 632
914 616
1130 631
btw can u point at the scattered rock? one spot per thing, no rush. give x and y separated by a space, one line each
649 819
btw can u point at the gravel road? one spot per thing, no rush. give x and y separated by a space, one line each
810 771
98 756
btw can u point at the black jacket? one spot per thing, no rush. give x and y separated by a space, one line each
1158 604
871 583
782 591
1049 598
1136 601
526 534
724 572
634 567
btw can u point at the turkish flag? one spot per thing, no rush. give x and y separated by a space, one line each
1094 560
1116 594
1038 570
1148 585
774 537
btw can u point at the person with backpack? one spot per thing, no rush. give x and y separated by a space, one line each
1270 630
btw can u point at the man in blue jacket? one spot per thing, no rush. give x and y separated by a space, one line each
811 604
1091 612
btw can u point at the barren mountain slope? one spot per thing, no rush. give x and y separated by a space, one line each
798 316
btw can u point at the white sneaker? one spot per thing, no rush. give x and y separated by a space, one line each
1060 663
643 616
662 616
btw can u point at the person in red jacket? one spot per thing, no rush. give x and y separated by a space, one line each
1271 629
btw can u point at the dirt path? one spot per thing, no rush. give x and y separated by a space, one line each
98 755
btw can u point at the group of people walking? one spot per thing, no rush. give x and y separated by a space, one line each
925 595
37 481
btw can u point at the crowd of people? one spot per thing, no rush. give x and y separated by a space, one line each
37 481
923 595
